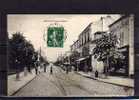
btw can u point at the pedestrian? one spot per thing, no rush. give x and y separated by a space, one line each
96 73
51 70
44 65
36 70
39 69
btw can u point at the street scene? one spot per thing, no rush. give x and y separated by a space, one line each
61 84
71 55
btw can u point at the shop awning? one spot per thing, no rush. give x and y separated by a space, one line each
83 58
80 59
67 63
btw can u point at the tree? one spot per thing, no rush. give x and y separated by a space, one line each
21 52
29 50
107 51
16 43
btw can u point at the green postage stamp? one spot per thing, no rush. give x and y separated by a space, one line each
55 36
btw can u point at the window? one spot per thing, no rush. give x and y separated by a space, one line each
82 40
88 36
85 38
121 38
79 42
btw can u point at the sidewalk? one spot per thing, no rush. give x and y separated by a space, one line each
14 85
111 79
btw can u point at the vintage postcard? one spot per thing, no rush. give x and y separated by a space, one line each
70 55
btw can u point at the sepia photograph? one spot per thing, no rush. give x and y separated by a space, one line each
70 55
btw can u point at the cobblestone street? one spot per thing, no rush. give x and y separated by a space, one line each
71 84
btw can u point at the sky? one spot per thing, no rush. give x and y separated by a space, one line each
33 27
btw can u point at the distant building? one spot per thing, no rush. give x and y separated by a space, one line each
67 61
124 29
75 46
67 57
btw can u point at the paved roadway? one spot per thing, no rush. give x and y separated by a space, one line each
72 84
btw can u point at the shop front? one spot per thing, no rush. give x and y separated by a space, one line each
84 64
122 66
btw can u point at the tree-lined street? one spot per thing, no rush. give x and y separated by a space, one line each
72 84
100 62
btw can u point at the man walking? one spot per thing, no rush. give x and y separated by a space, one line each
51 69
36 70
44 65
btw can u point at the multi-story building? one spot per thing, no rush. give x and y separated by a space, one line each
124 29
84 40
84 46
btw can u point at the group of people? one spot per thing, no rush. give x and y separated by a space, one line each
39 67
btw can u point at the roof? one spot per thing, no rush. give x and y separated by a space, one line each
74 42
86 28
122 17
81 33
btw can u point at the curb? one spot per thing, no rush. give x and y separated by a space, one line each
22 86
105 82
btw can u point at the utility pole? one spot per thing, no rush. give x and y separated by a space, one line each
102 21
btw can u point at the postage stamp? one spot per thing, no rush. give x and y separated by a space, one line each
55 37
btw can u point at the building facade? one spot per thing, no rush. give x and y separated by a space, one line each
84 62
84 47
124 29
